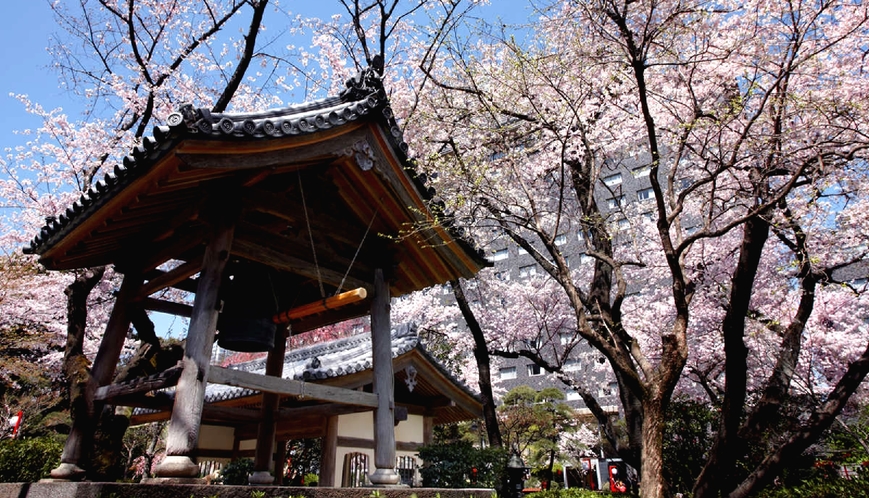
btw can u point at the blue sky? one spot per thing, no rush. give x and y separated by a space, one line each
24 61
24 38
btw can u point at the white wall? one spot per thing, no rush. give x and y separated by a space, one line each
213 437
361 425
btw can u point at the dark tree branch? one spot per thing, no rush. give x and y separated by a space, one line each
232 85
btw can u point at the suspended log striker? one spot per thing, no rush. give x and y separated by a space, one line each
322 195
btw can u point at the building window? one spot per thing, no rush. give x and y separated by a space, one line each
535 343
503 276
615 202
500 255
522 250
494 156
649 216
560 240
623 224
612 180
565 338
355 472
609 389
641 172
573 396
645 194
527 271
534 369
585 258
572 365
507 373
682 184
580 235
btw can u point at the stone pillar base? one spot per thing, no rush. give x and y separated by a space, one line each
68 472
384 477
177 466
261 478
174 480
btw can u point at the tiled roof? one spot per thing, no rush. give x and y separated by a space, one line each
363 98
333 359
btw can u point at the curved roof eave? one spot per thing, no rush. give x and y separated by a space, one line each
363 98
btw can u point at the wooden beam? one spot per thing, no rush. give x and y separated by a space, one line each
299 244
330 303
293 212
321 410
161 401
239 378
153 255
168 307
152 383
188 285
214 413
168 279
368 444
341 314
268 256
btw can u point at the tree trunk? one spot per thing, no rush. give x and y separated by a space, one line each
74 361
481 354
652 483
633 408
718 471
820 421
549 473
75 364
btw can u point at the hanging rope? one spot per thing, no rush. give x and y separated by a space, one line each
311 238
359 248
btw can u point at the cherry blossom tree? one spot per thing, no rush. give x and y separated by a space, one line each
744 118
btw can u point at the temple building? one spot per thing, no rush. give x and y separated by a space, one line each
279 222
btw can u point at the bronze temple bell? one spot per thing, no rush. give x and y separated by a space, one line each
249 303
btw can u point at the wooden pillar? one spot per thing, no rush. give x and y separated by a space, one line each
190 391
328 453
427 429
236 445
280 461
105 363
265 435
384 419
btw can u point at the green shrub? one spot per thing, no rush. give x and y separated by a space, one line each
236 472
460 465
821 488
569 493
29 460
